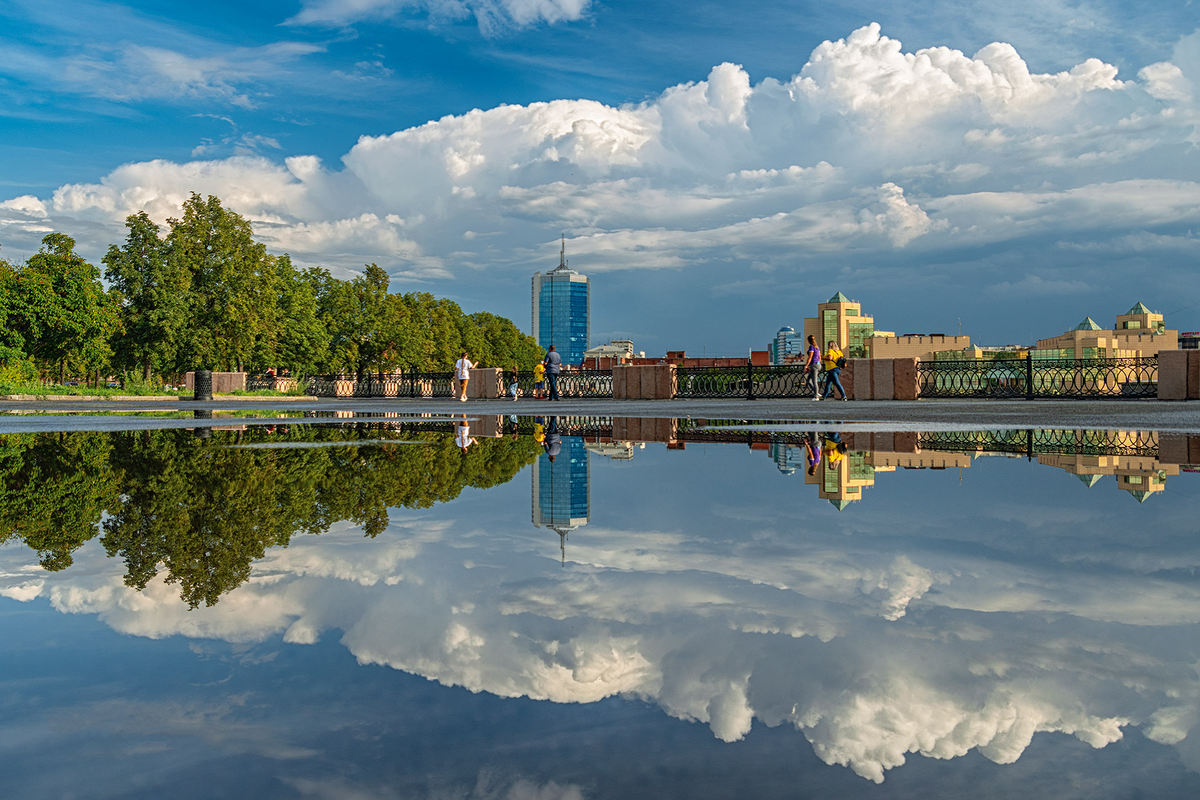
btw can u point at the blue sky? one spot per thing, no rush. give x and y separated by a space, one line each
1017 186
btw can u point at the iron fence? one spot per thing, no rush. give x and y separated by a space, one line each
574 383
1040 378
1031 442
750 382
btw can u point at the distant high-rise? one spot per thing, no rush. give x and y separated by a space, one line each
562 310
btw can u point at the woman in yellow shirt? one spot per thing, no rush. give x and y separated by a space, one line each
833 371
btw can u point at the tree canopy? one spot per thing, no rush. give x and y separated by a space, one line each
203 293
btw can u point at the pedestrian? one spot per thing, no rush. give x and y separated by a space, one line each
539 379
812 366
513 380
462 372
553 364
833 362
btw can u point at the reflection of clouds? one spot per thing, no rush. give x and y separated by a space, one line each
874 646
489 786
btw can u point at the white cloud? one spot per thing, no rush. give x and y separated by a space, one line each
866 151
491 15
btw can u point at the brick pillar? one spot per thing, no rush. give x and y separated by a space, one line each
848 378
1193 371
905 442
1172 374
862 379
619 376
904 376
484 383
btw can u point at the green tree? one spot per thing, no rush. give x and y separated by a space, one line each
301 341
63 313
233 282
154 297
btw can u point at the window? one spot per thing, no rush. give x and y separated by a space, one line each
1133 324
829 331
1134 480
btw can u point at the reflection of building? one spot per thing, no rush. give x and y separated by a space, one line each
562 310
1138 332
1140 475
617 451
562 489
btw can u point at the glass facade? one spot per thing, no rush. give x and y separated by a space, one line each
856 338
561 487
829 328
561 310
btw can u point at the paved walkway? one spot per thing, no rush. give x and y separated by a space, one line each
884 415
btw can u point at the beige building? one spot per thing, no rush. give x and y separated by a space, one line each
1141 476
1138 332
843 482
841 320
914 346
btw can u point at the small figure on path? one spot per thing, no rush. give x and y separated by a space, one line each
539 379
833 362
812 366
512 380
553 364
462 373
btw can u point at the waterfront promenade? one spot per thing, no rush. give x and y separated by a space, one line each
894 415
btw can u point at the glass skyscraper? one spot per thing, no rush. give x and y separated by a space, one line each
562 310
561 488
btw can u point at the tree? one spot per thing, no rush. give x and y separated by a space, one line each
301 341
63 311
232 278
154 297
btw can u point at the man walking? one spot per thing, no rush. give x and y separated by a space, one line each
462 372
553 364
812 366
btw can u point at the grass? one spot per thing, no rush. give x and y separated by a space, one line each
35 388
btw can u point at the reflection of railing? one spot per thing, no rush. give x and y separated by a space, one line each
1040 378
748 381
1044 442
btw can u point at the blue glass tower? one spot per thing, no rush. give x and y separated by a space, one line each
562 310
562 489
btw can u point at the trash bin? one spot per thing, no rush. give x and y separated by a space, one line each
202 386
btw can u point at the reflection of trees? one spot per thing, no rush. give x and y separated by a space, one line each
53 488
204 510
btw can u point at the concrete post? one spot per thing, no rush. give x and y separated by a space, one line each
1173 375
904 377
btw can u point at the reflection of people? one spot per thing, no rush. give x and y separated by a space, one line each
539 379
553 364
462 436
513 425
834 448
539 430
462 372
812 452
833 362
553 444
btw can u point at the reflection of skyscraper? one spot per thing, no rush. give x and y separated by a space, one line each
788 457
562 308
562 488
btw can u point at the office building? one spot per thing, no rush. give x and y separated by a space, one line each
562 310
787 347
1137 332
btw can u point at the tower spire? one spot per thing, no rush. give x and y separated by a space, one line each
562 254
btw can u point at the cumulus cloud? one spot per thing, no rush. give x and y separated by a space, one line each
868 150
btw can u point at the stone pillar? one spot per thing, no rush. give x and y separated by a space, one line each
862 380
1173 374
848 378
619 372
905 442
904 376
883 379
203 385
484 383
1193 379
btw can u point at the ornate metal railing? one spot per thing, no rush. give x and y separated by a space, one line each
573 383
1043 442
1040 378
750 382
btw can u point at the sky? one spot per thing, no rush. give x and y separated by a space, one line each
932 636
716 170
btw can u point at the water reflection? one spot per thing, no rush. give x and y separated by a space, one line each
951 613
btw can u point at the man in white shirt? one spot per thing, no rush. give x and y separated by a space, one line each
462 372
